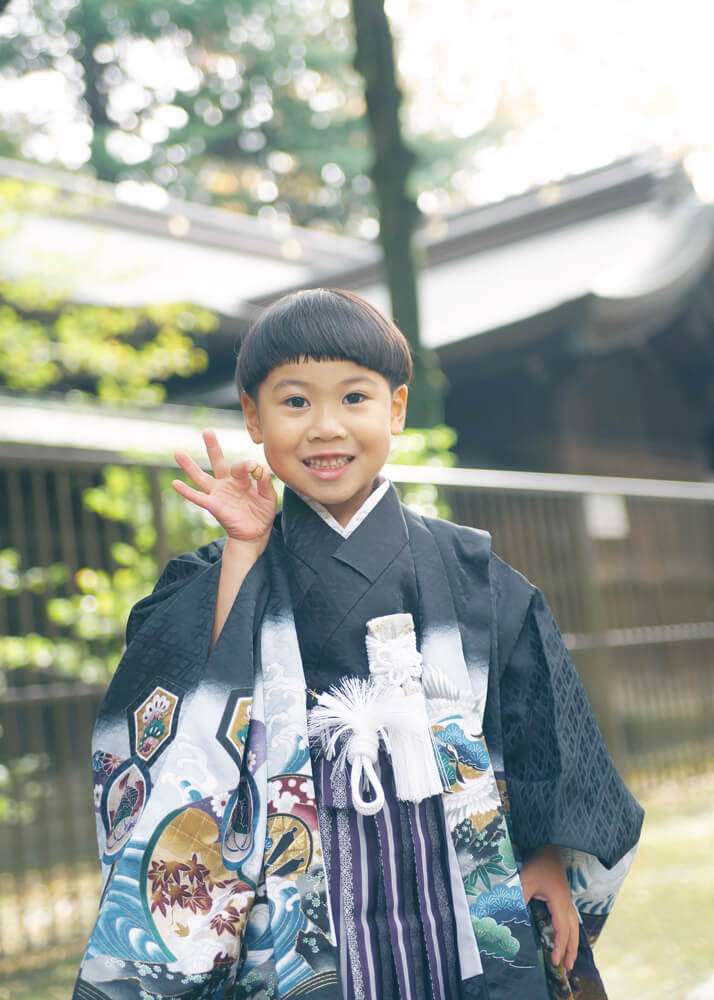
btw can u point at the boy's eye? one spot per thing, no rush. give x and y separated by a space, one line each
289 400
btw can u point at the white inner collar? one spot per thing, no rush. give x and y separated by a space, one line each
358 516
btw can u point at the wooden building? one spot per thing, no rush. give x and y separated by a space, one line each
575 322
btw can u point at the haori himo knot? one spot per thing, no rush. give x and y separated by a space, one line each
394 660
348 714
389 706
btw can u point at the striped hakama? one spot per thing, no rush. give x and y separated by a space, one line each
389 891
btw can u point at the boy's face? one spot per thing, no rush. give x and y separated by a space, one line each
326 408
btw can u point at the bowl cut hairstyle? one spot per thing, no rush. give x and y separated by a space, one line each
322 324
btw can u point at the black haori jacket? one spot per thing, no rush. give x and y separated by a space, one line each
211 890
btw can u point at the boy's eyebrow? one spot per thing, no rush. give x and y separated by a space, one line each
345 381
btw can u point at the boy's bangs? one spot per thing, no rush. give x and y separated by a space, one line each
322 325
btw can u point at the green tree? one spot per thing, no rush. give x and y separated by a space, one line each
246 104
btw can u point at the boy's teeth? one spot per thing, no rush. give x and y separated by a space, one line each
327 463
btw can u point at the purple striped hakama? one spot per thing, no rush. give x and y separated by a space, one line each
389 889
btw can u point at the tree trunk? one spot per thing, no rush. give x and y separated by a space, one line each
398 214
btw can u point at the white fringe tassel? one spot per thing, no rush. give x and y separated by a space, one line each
414 763
350 712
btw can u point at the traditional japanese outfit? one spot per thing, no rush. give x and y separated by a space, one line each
235 860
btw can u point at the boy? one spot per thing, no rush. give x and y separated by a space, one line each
416 846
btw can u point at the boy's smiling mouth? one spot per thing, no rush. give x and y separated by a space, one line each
331 459
328 465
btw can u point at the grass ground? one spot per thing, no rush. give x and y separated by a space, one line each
53 981
659 941
657 945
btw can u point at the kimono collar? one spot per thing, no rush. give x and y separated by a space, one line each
359 515
374 541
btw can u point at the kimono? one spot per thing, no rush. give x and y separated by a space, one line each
235 862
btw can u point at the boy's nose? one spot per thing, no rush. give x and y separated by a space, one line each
326 425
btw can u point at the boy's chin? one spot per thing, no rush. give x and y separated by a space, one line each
333 490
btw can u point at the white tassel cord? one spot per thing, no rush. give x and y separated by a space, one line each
350 712
417 774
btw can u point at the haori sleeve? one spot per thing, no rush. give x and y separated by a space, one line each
175 575
564 789
563 786
167 635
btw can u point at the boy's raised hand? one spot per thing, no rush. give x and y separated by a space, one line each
243 505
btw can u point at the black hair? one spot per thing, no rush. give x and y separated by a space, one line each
323 324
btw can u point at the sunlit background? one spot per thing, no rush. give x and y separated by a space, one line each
558 88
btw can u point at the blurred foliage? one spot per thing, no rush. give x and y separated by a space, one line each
251 105
430 446
23 785
119 355
92 615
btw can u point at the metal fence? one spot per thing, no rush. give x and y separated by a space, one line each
627 566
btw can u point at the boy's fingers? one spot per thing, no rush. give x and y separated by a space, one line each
193 469
200 499
215 454
566 943
241 471
561 928
265 483
251 470
571 951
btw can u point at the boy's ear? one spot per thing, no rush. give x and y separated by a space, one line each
250 417
399 408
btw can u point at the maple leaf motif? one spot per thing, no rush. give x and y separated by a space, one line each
220 924
222 958
196 871
174 869
178 893
230 920
197 899
158 874
159 901
215 884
